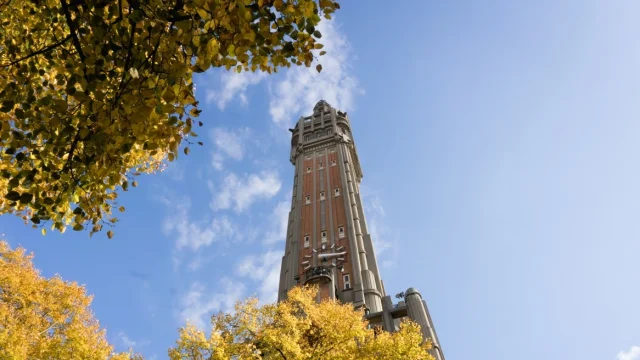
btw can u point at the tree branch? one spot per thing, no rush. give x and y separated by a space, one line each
76 41
41 51
281 354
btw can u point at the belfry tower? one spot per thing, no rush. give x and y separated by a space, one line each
328 242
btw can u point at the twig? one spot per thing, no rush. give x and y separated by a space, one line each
41 51
76 41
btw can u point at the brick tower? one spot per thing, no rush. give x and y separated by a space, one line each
328 242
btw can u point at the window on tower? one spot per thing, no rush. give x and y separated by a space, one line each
309 169
323 236
333 162
336 191
307 199
306 241
329 132
345 280
321 195
341 232
320 165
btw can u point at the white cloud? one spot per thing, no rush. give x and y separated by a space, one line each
239 193
217 161
233 84
632 354
279 220
264 269
232 143
126 342
195 234
303 87
384 242
198 304
229 143
299 88
175 171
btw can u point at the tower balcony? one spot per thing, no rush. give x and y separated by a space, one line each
316 273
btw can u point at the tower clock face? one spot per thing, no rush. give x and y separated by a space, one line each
328 256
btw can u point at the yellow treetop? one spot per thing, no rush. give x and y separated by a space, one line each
45 318
95 92
295 329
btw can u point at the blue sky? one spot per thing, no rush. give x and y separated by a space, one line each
499 144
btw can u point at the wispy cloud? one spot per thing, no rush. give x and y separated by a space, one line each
265 270
125 341
297 89
198 304
279 219
632 354
232 84
217 161
302 87
240 192
195 234
383 239
229 144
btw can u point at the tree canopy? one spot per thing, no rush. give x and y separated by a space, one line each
96 92
50 318
297 328
46 318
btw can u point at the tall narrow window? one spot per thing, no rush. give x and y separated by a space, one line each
309 169
321 195
329 132
347 283
333 162
307 199
306 138
320 165
323 236
341 232
336 191
306 241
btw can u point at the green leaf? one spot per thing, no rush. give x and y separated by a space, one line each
7 106
78 227
26 198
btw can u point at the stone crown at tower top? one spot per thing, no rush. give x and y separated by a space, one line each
321 106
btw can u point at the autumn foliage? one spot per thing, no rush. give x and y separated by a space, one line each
45 318
295 329
96 92
50 319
